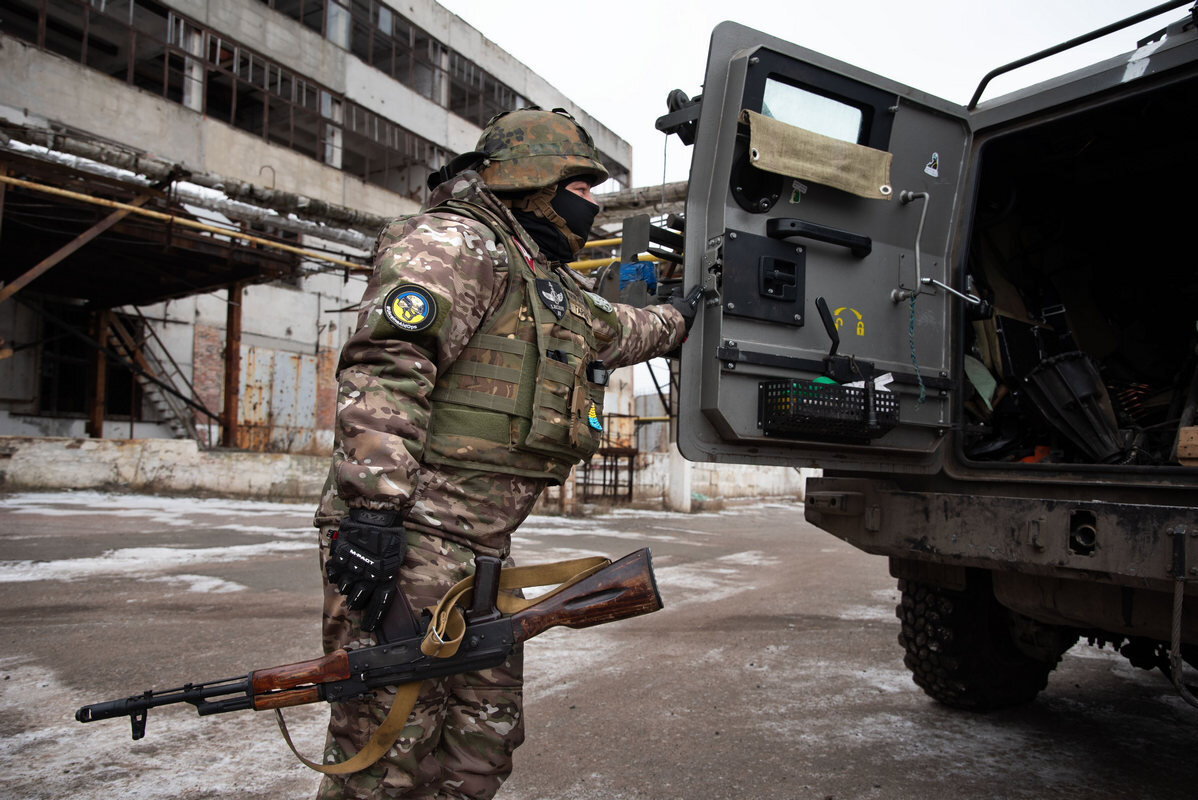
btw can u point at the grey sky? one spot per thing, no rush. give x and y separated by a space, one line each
618 59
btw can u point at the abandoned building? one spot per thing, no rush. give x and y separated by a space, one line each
189 196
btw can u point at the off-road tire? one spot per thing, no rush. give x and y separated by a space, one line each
960 648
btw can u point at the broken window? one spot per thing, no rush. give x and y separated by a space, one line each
146 44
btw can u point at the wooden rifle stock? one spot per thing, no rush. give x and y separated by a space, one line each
626 588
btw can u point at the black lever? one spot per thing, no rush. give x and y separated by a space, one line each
821 305
783 228
839 368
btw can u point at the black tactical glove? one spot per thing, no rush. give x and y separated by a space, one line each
365 554
687 306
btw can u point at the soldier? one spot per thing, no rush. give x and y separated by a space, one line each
473 381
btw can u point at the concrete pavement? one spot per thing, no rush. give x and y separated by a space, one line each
773 671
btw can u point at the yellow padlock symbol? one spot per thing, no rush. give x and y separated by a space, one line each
856 313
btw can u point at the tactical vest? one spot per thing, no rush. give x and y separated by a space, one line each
518 399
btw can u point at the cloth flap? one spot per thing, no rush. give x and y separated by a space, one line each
778 147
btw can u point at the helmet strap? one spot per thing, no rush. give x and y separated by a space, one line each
458 165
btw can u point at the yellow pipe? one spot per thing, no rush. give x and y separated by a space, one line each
187 223
581 266
592 263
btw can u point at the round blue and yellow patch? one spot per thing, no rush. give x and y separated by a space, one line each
410 308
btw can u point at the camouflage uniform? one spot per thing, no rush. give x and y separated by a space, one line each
440 278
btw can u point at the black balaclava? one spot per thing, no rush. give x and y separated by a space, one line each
558 220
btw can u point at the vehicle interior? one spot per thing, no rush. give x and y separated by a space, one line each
1081 248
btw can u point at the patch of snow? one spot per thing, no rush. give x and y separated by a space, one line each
93 502
51 756
203 584
749 558
137 561
885 613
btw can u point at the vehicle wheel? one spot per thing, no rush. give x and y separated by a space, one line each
962 651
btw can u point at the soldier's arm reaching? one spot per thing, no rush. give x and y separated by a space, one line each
629 335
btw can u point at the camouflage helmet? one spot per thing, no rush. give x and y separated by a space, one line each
533 148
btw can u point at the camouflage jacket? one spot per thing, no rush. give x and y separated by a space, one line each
438 278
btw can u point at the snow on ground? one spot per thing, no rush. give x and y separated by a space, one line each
703 580
155 562
160 509
233 755
860 704
137 561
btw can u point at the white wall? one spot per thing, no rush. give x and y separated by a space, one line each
712 484
179 466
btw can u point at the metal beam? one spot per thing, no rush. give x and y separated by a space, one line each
75 244
99 399
229 421
177 220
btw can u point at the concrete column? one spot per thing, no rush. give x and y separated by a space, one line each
192 41
678 491
330 108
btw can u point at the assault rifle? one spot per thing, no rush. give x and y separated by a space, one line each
484 638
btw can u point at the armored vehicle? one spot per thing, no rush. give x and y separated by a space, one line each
979 322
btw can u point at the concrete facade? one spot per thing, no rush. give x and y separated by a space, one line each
297 327
293 330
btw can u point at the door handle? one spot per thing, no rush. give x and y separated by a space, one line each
784 228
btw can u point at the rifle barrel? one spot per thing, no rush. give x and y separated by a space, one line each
198 694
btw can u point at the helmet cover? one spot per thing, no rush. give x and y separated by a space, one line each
533 148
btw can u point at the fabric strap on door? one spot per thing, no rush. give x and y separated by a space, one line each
444 635
784 149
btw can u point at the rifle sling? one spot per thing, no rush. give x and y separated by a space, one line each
380 741
445 632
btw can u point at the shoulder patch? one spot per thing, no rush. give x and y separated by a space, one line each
600 302
410 308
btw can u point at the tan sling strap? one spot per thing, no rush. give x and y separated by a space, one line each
380 741
445 632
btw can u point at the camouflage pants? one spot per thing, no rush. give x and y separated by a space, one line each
459 738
